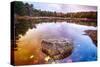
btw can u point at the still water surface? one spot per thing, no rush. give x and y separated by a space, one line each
29 44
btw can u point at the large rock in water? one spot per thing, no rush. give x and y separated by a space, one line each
57 48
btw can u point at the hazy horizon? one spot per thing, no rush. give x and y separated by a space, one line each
64 8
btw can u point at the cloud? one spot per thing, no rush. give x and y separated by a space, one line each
63 7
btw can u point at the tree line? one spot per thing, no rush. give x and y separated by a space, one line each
26 9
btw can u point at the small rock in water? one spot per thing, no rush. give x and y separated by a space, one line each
93 35
57 48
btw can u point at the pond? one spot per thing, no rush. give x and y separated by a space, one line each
29 43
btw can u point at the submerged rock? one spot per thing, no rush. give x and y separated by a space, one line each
57 48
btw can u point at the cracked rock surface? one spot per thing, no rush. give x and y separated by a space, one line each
57 48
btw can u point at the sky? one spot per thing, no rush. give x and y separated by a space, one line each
64 8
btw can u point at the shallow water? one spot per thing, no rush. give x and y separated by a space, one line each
84 48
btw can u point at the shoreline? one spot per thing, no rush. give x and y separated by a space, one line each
55 18
93 35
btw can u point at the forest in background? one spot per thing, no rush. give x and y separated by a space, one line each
26 9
